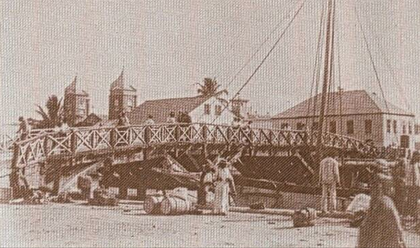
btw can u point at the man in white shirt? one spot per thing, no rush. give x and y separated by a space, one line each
329 178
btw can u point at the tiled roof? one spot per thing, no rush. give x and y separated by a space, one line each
161 108
352 102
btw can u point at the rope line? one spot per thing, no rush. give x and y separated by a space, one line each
253 55
371 59
264 59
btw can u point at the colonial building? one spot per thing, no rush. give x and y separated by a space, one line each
205 109
356 114
121 98
76 104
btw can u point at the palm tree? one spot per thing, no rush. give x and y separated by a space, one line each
208 87
53 114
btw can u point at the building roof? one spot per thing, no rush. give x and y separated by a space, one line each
72 89
161 108
119 83
352 103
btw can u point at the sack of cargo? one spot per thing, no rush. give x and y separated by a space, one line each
304 217
360 203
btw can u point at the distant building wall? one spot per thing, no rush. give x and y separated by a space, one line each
76 107
396 128
362 127
212 111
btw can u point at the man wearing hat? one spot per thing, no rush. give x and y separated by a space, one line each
224 181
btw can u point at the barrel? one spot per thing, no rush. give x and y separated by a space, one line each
175 205
152 204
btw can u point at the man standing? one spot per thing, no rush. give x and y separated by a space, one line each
24 128
329 178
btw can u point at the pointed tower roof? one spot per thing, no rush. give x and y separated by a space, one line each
72 88
119 83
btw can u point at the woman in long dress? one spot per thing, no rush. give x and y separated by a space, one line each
382 227
224 181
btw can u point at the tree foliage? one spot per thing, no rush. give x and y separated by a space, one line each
52 115
208 87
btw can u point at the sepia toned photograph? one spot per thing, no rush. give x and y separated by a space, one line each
210 123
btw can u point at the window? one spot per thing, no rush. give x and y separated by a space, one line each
333 127
116 102
217 110
395 127
315 126
284 125
368 126
81 112
350 127
404 128
410 128
207 109
130 103
80 103
388 126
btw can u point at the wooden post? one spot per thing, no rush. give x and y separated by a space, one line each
113 135
73 142
13 178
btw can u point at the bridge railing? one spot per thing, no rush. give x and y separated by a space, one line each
7 140
95 139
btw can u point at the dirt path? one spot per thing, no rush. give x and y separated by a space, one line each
73 225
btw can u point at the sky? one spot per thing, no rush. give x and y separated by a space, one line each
167 46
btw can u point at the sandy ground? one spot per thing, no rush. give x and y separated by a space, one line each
77 225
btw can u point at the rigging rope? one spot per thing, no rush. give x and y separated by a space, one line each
315 76
371 59
401 89
265 58
267 38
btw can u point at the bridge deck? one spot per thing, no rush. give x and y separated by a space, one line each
100 140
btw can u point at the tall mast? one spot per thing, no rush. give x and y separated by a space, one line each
326 76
